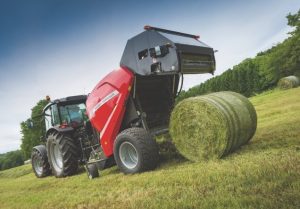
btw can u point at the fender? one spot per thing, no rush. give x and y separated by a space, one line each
60 130
41 148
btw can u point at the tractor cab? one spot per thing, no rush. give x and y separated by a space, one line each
65 112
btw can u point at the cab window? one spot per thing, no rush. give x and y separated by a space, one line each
48 120
55 115
73 113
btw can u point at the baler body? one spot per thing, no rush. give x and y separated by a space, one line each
142 92
106 106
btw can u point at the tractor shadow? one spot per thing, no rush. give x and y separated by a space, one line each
168 157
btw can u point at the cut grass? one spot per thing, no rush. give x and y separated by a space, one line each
263 174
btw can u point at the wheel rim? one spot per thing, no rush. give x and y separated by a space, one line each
56 157
128 155
37 165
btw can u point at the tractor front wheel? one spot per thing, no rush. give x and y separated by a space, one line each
135 151
39 161
62 154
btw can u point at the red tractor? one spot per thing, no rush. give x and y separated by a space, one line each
118 120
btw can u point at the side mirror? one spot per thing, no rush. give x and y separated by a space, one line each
29 124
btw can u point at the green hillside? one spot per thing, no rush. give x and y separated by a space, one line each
263 174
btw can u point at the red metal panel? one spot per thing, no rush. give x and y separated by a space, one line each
106 106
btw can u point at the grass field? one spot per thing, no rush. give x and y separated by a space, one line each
263 174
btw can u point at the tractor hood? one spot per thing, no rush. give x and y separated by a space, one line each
160 51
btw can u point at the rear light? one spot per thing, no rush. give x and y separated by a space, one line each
147 27
48 98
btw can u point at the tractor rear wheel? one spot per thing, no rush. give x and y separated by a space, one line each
62 154
39 161
135 151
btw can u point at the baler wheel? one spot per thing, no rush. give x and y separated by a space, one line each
135 151
39 162
62 154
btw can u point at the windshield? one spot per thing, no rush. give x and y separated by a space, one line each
73 114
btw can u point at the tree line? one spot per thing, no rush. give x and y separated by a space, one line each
30 138
255 75
11 159
31 135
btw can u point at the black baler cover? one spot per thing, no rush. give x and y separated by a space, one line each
185 54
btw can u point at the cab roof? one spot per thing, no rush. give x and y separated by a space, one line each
67 100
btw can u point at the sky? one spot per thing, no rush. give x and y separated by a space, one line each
62 48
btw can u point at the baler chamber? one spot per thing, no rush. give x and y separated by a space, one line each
160 51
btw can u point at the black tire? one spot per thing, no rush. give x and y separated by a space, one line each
39 161
92 171
135 151
62 154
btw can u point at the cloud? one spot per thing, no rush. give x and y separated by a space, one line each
10 138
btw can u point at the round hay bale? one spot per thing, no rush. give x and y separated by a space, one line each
288 82
251 111
239 116
211 126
